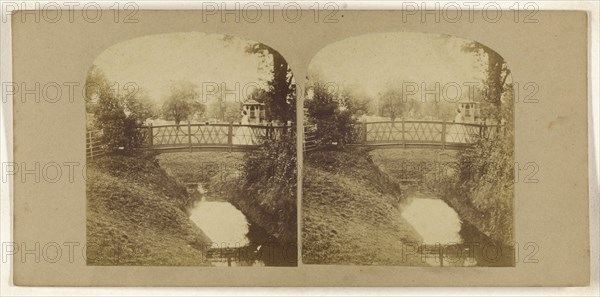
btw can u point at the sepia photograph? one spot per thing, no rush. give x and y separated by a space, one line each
191 151
410 153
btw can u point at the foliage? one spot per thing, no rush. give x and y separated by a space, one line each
486 177
335 123
270 177
225 111
181 104
280 104
354 100
495 83
117 116
486 170
391 103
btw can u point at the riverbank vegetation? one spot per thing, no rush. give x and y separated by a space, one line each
482 192
350 212
136 215
486 169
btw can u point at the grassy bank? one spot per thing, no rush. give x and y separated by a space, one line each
136 215
350 213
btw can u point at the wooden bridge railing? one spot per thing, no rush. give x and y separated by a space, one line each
208 136
423 133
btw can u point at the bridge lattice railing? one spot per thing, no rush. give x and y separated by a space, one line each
423 132
198 135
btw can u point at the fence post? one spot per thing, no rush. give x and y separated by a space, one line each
481 128
403 137
364 125
230 136
444 135
190 135
150 136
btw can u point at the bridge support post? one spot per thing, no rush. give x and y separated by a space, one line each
230 136
150 136
364 128
403 135
190 135
444 135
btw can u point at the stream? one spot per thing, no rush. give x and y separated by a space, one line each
447 240
235 241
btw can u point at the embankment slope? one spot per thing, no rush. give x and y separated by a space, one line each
136 215
350 212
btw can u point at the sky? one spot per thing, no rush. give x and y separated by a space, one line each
371 62
154 62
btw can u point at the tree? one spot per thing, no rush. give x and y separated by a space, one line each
355 100
182 102
223 110
391 104
280 104
334 124
96 83
118 116
497 74
487 188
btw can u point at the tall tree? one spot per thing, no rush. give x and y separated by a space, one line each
497 73
281 100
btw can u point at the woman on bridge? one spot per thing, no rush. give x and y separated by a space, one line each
456 131
243 134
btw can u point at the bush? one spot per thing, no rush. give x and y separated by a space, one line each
119 119
335 125
268 195
483 191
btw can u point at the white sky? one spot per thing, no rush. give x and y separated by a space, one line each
373 61
154 61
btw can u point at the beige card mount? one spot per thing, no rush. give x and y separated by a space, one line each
347 148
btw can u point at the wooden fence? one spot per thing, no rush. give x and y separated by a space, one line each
93 144
310 138
197 137
432 134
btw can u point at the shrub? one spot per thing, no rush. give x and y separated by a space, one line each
119 119
486 180
270 179
335 125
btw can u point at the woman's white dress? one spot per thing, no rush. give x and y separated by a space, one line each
457 133
243 133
